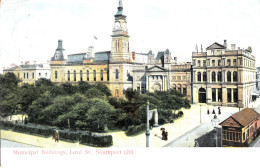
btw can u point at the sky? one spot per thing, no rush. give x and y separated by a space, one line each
30 29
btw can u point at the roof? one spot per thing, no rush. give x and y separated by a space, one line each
102 56
76 57
160 55
244 117
216 46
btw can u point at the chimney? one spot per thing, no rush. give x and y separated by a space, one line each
59 44
175 60
225 43
201 48
196 48
233 46
27 62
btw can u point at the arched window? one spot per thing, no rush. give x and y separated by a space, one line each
95 75
68 75
75 76
219 77
204 76
213 76
81 77
199 76
117 74
213 63
101 75
87 75
235 76
229 76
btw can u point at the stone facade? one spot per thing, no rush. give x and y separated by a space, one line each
223 76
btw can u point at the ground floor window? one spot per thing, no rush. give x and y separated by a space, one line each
232 136
235 95
213 95
184 91
229 94
220 95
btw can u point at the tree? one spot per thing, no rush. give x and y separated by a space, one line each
94 93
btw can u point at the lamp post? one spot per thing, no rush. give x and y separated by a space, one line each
215 122
148 129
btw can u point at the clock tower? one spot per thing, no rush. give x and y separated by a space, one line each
120 62
120 52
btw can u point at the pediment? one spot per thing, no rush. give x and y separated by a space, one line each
156 69
215 46
230 122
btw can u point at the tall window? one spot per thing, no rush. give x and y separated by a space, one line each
24 75
56 75
234 62
117 74
220 94
68 75
199 76
95 75
235 76
107 74
75 76
81 75
18 75
33 75
229 94
240 61
184 91
228 62
229 76
219 62
198 63
204 63
101 75
87 75
204 76
213 76
213 63
213 94
235 95
179 88
194 62
219 76
117 93
27 75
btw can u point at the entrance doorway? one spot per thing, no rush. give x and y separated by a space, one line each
202 95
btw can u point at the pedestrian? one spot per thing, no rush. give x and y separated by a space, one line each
213 112
219 111
163 135
56 136
166 136
208 111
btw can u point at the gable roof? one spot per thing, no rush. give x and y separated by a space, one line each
216 46
244 117
156 67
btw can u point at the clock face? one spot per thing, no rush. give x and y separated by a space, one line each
117 25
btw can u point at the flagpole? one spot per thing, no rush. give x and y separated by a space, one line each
148 129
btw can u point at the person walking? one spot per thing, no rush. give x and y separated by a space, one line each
166 136
56 136
219 111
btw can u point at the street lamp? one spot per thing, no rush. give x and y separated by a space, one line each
215 122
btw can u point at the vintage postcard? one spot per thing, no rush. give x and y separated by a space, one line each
127 82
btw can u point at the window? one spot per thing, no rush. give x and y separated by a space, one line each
198 63
234 76
56 75
228 62
229 94
213 63
220 95
213 76
179 78
199 76
27 75
213 94
174 78
184 91
179 88
229 76
75 76
240 61
219 76
208 62
87 75
95 75
81 76
24 75
18 75
234 62
194 62
46 74
244 136
204 63
204 76
117 74
235 95
108 73
33 75
41 74
219 62
117 93
101 75
68 75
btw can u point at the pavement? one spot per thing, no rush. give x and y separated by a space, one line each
181 133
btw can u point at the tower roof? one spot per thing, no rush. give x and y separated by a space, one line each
120 9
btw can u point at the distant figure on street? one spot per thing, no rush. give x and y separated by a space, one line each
166 136
56 136
213 112
208 111
219 111
163 134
